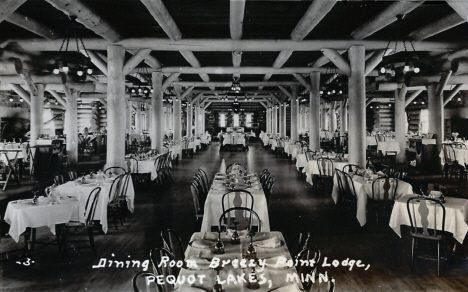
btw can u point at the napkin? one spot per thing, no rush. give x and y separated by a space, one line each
202 243
242 233
268 243
213 236
202 264
289 288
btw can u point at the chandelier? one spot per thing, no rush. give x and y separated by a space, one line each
143 89
235 86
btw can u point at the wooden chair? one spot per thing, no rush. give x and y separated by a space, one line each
347 192
310 155
383 196
451 166
268 188
59 180
115 170
88 225
145 281
156 256
351 168
300 242
72 175
114 199
430 211
173 243
241 212
279 147
326 172
307 255
237 198
323 285
196 202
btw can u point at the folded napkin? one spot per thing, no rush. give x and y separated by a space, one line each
289 288
268 243
213 236
242 233
202 264
202 243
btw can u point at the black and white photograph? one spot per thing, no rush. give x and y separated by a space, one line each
233 145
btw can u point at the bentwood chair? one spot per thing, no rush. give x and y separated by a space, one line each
326 284
157 255
115 170
59 180
268 188
451 165
173 243
197 202
253 224
72 175
113 206
351 168
88 225
300 242
310 155
123 196
311 256
204 177
425 213
384 191
346 192
326 172
237 198
145 281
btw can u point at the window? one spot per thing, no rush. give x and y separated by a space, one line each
248 120
222 120
424 121
236 120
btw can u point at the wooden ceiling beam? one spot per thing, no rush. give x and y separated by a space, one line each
171 78
413 96
338 60
245 70
136 59
285 91
187 92
96 60
32 26
314 14
159 12
229 83
384 18
303 81
373 61
21 92
460 7
88 17
58 97
436 27
453 93
236 20
7 7
229 45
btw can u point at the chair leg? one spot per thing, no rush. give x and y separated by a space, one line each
438 258
91 239
412 253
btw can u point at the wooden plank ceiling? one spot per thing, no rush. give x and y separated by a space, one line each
262 20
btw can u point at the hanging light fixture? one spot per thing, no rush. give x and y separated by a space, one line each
235 86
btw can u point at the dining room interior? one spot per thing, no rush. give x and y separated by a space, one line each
309 145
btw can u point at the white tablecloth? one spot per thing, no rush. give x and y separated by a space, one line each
81 192
21 215
311 168
461 154
228 140
388 146
273 143
456 217
370 140
145 166
14 146
276 275
176 151
301 161
214 209
194 145
265 139
364 191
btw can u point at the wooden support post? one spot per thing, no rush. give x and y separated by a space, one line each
116 106
343 118
294 127
157 133
357 107
197 119
400 123
282 130
332 117
436 121
275 120
189 119
177 124
314 112
37 107
71 127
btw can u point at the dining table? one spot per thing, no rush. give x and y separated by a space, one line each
363 189
456 216
23 214
213 204
234 140
311 168
81 189
461 155
145 165
269 246
388 146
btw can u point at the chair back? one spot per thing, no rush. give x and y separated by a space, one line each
384 188
280 143
124 188
346 185
427 216
325 167
196 201
198 179
59 180
300 242
159 162
264 178
173 243
115 190
72 175
157 256
237 198
449 153
146 281
351 168
240 212
91 203
323 285
204 178
310 155
265 170
115 170
132 164
312 257
185 144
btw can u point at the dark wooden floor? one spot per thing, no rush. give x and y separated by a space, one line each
294 206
